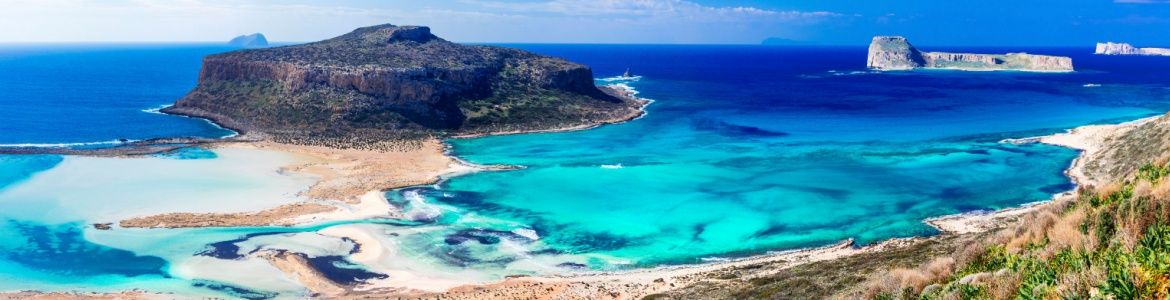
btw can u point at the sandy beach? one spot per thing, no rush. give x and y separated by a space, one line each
634 284
348 185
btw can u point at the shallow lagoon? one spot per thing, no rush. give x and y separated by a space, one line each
747 150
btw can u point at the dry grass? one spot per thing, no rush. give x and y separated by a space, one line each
1101 243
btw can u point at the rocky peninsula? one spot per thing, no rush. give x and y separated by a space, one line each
1111 48
378 86
896 53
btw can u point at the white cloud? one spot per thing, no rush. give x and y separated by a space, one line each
646 8
632 21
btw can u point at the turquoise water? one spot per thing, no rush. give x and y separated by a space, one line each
745 150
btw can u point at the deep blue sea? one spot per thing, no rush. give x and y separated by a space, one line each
92 93
745 149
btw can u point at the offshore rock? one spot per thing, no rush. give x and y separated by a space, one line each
1110 48
896 53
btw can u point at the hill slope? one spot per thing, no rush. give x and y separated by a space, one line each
388 82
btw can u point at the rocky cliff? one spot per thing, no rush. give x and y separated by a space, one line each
1110 48
896 53
254 40
391 82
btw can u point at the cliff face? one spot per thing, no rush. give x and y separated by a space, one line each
1110 48
390 82
893 53
896 53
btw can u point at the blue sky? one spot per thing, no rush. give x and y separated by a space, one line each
837 22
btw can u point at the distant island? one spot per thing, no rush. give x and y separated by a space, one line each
390 83
896 53
254 40
1111 48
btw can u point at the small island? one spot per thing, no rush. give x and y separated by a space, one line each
388 84
896 53
1111 48
249 41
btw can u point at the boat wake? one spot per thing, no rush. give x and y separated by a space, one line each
621 78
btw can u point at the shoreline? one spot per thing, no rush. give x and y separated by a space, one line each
1087 139
624 91
633 283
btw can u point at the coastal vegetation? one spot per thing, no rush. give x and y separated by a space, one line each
1110 242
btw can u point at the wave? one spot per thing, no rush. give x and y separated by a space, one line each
528 233
616 166
156 110
420 210
1090 85
620 79
62 145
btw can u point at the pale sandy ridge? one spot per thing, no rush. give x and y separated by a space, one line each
349 185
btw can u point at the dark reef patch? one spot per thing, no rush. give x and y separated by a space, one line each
228 249
339 270
62 249
734 130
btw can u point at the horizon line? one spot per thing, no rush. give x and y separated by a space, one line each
286 43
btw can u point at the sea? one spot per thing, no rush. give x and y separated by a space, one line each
745 150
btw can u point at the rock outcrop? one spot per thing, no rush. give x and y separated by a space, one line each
1111 48
254 40
896 53
389 82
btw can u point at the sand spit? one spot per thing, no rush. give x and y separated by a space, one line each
297 266
283 215
349 185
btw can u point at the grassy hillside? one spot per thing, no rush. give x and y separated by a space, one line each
1111 242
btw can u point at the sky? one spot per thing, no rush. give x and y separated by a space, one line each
813 22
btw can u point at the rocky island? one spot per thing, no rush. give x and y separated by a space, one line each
391 83
1111 48
896 53
254 40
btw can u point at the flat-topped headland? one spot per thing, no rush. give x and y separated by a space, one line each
386 83
896 53
1111 48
